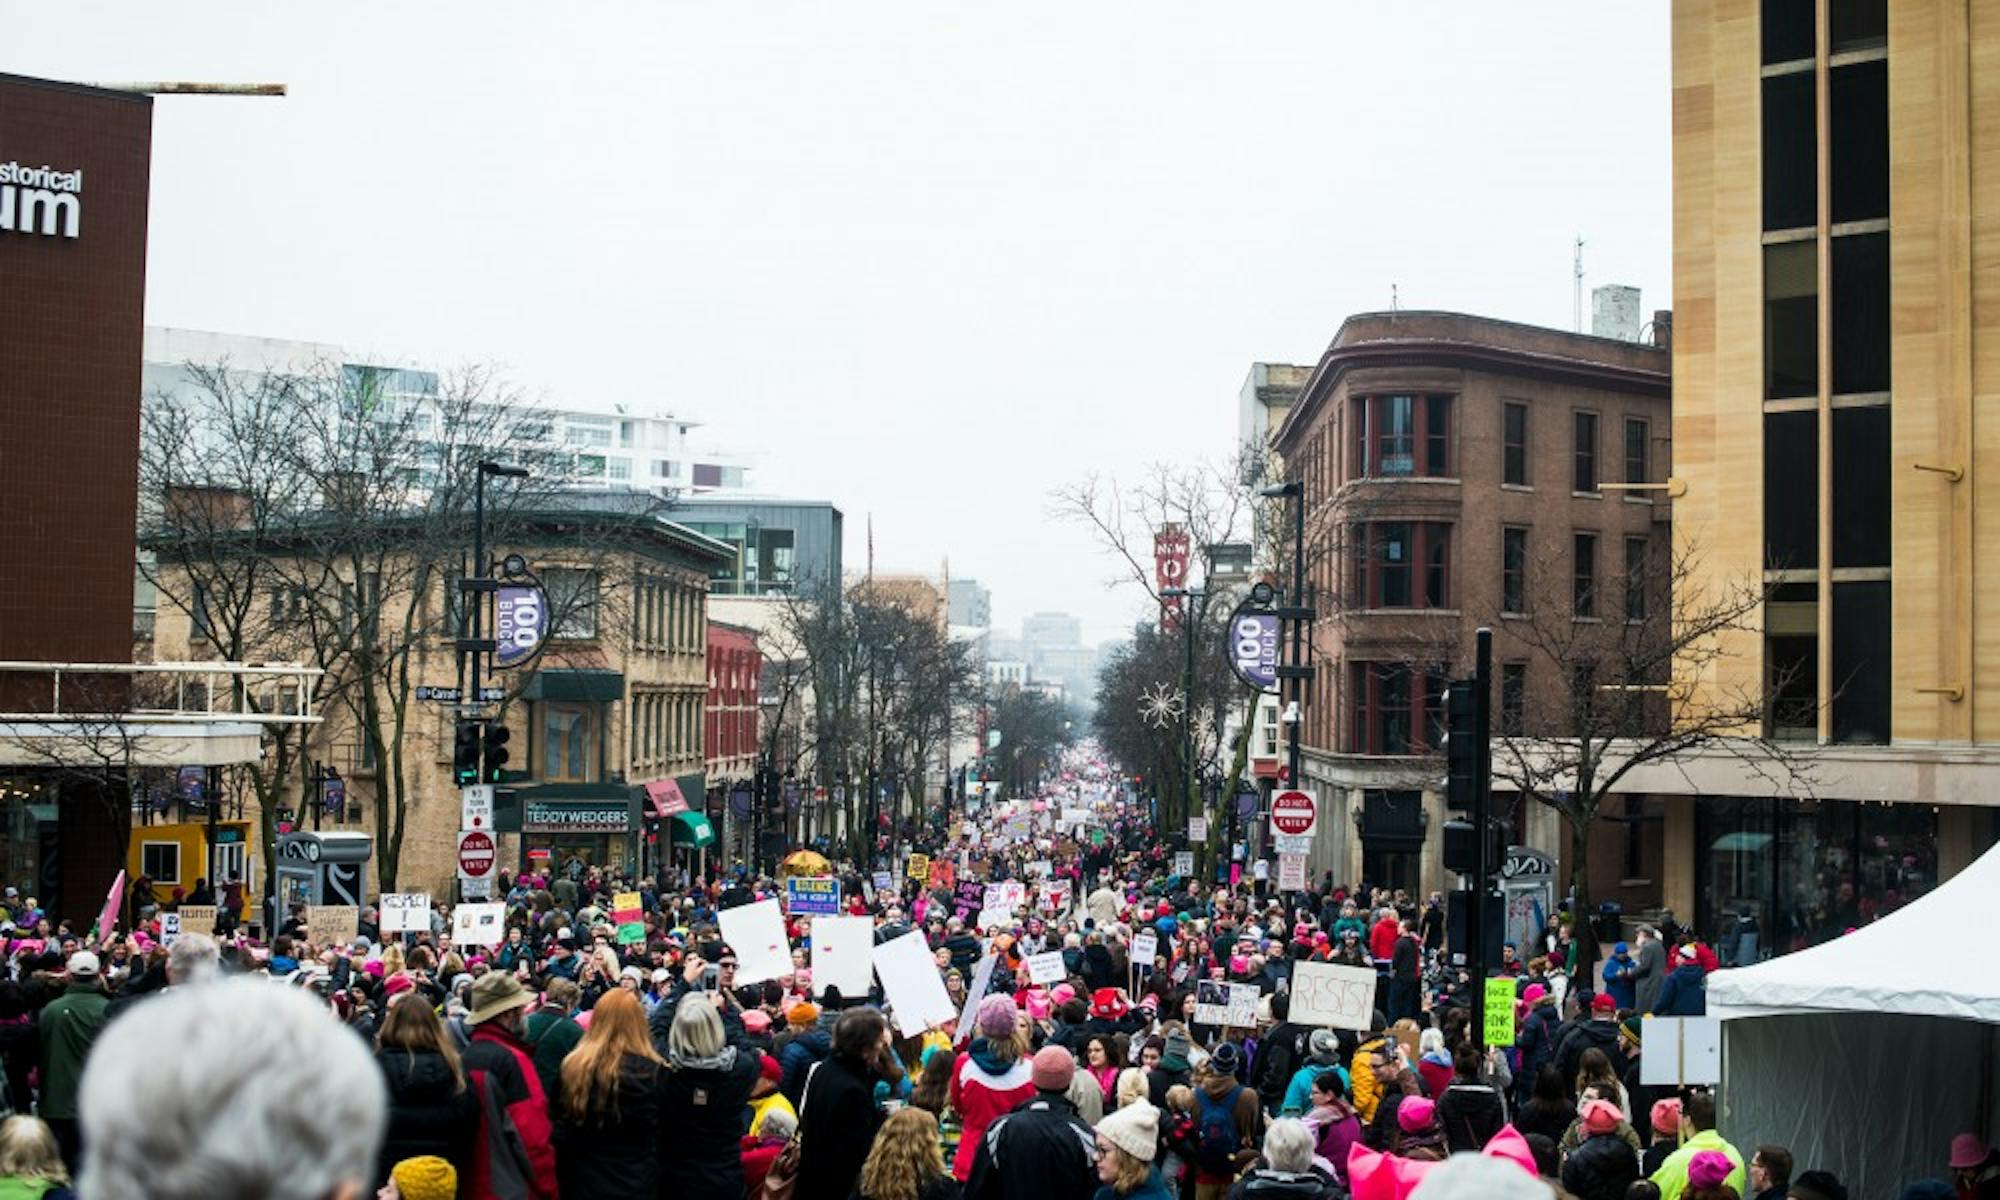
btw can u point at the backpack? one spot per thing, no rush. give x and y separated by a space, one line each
1216 1143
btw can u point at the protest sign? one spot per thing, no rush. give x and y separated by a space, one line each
197 918
1047 968
1076 816
1227 1004
331 924
1681 1050
943 875
968 898
1499 1022
1291 872
1331 995
996 918
404 912
910 981
630 918
1055 895
1197 829
170 928
920 866
107 922
1184 863
1040 869
840 947
1145 947
885 883
982 979
479 924
757 933
817 896
1005 895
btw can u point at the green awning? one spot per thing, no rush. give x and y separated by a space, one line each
578 686
691 829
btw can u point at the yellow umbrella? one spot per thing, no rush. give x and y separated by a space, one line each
805 862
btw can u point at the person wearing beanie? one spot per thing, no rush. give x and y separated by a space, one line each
1621 980
765 1095
1699 1137
991 1078
1603 1164
1419 1137
426 1177
1040 1150
1226 1112
1663 1121
1172 1070
1706 1173
1127 1143
808 1040
1975 1168
1322 1055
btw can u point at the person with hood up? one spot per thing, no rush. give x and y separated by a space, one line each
1043 1149
1418 1136
1469 1109
1600 1033
1685 993
1621 978
990 1079
1287 1170
1603 1164
1322 1055
1172 1070
1225 1110
1127 1143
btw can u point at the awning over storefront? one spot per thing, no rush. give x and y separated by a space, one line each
693 830
576 686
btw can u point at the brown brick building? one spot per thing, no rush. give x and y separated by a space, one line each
1453 467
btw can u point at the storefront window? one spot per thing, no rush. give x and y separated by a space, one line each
566 744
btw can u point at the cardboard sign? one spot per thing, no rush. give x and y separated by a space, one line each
1184 863
1047 968
982 979
840 947
404 912
479 924
1291 872
630 917
968 898
1145 948
1499 1017
1228 1004
817 896
757 933
1335 996
197 918
910 981
996 918
1681 1050
919 868
331 924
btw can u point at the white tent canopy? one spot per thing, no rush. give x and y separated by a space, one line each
1921 960
1865 1055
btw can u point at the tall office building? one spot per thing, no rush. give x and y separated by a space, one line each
1836 379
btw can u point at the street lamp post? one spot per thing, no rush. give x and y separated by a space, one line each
1298 614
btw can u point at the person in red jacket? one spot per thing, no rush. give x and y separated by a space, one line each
989 1079
1382 938
762 1148
501 1073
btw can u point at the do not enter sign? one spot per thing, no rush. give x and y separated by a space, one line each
1294 813
475 854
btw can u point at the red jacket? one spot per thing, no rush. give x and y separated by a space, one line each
1382 938
502 1075
980 1097
758 1155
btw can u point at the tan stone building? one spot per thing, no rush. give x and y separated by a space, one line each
606 727
1837 379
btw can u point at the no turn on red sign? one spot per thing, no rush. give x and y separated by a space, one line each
1294 813
475 854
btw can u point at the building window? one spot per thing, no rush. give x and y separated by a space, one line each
565 743
160 861
663 469
1514 570
201 619
231 862
1513 698
1583 592
1514 444
1791 490
1861 658
1788 30
1860 333
587 433
1859 146
1385 565
1390 432
1791 320
1393 703
1585 448
617 468
1857 24
1791 662
1861 486
1635 578
572 597
1638 433
1791 152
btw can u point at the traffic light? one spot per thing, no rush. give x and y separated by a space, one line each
1461 847
496 738
465 754
1461 746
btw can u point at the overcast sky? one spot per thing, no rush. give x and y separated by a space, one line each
930 259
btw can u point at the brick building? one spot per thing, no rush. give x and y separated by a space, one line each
1452 467
730 724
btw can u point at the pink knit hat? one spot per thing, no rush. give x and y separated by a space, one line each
1415 1114
995 1017
1709 1168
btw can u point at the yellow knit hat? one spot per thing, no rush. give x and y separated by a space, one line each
426 1178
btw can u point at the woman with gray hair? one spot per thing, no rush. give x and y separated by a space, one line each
1287 1170
705 1101
184 1104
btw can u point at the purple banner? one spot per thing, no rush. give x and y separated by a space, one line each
520 620
1253 648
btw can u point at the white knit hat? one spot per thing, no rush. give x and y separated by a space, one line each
1135 1129
1478 1177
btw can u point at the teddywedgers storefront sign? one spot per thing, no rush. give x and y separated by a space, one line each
41 200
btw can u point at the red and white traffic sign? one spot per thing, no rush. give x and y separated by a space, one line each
475 854
1294 813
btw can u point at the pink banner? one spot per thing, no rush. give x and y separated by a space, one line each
666 797
107 922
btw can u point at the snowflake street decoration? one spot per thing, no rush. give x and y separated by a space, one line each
1160 706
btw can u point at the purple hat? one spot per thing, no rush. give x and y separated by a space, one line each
995 1017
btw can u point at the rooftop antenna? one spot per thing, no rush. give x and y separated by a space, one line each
1395 304
1577 316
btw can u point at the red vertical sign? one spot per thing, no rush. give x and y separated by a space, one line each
1170 569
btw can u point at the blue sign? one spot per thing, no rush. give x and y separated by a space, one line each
520 621
812 896
1253 648
333 797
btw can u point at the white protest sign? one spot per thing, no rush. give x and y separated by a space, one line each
1055 895
1229 1004
405 912
910 981
170 928
982 978
840 948
1076 816
1046 968
1291 872
991 917
1681 1050
1040 868
757 933
477 924
1331 995
1184 863
1145 946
